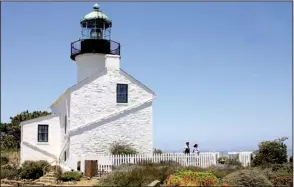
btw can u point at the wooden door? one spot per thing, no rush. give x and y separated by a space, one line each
91 168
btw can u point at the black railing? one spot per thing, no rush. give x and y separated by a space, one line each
94 46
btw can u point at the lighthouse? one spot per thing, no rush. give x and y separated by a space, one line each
95 50
106 105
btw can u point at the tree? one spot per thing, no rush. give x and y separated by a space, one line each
271 152
122 149
157 151
10 132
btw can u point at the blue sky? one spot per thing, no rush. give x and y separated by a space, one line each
221 71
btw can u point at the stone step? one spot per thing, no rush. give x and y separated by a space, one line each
47 177
43 184
44 180
50 175
48 181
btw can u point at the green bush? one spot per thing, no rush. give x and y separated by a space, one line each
122 149
4 160
157 151
9 172
234 162
229 161
135 175
71 176
161 163
222 160
271 152
33 170
247 178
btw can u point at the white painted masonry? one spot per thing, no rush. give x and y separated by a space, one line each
31 149
95 63
94 119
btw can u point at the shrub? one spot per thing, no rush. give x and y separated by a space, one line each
122 149
229 161
9 172
194 168
222 160
234 162
188 178
223 171
279 174
135 175
161 163
12 155
33 170
271 152
219 172
71 176
291 159
157 151
247 178
57 170
282 181
4 160
161 173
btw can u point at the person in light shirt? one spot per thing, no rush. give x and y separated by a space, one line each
196 150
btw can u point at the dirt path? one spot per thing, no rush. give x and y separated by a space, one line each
91 182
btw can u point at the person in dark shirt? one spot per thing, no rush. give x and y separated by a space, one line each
187 148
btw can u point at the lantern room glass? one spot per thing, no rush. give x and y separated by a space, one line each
96 30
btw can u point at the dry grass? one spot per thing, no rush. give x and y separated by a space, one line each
91 182
13 156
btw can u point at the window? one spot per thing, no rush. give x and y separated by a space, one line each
122 93
42 133
64 155
65 124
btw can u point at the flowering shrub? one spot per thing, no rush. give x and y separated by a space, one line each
282 181
191 178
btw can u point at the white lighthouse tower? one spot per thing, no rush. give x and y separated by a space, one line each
95 51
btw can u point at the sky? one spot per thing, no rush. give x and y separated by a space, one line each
222 71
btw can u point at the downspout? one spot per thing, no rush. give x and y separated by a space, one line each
21 146
66 137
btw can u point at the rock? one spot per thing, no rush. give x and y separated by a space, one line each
155 183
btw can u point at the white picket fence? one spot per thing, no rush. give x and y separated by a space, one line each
106 163
243 157
206 159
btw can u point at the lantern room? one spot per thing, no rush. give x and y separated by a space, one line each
95 35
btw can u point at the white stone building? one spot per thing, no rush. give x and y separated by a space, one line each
106 105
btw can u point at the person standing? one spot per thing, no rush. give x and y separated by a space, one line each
196 150
187 148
